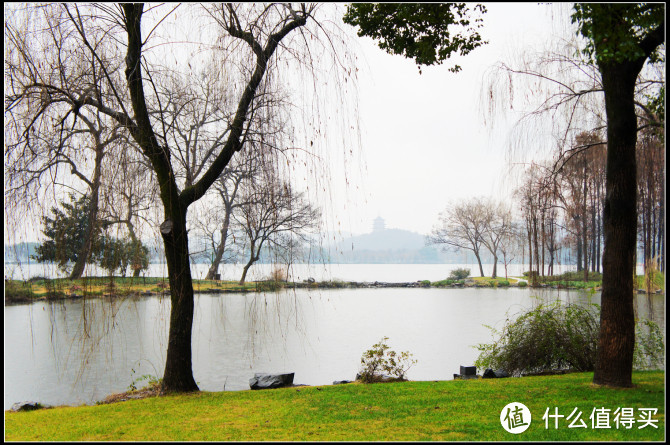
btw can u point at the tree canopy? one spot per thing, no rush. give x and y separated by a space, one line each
65 232
429 33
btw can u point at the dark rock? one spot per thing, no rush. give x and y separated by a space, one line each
468 370
491 374
25 406
341 382
310 280
268 381
465 377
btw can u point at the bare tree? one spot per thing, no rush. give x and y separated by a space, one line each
463 226
498 225
251 39
273 215
511 245
48 132
128 195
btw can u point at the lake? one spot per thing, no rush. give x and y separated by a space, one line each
80 351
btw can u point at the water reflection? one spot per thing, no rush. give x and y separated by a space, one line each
80 351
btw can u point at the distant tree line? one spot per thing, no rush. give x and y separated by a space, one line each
560 207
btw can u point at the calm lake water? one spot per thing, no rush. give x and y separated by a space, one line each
80 351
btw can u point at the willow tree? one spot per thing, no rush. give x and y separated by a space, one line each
621 37
130 46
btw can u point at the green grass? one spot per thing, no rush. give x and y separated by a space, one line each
494 282
657 281
461 410
98 286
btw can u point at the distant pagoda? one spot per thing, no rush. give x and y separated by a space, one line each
378 224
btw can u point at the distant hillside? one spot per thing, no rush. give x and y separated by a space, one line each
19 253
396 246
384 239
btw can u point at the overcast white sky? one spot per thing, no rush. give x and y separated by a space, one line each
424 141
424 138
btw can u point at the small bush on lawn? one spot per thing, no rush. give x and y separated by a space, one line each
382 360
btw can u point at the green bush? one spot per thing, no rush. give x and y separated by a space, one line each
19 290
381 360
522 284
268 286
649 346
561 336
503 283
459 274
425 283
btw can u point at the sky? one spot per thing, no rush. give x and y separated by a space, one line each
425 142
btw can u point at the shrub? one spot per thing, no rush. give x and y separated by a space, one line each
381 360
425 282
530 274
503 283
152 382
268 286
278 275
522 284
459 274
18 290
561 336
649 346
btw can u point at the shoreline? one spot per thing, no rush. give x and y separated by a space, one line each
273 286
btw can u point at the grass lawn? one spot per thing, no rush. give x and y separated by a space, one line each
459 410
98 286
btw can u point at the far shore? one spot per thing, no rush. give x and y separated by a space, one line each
24 292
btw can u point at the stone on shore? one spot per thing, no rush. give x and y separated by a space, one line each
491 374
269 381
25 406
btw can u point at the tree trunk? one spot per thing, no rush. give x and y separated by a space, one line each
661 230
479 261
253 257
530 249
495 267
178 375
614 361
133 239
220 248
84 253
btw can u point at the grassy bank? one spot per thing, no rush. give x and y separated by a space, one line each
40 288
459 410
17 291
